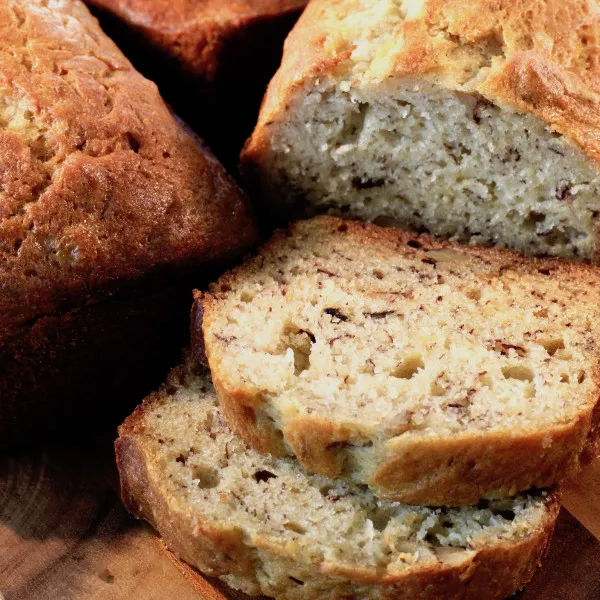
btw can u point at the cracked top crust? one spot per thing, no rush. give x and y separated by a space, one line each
534 56
98 182
194 32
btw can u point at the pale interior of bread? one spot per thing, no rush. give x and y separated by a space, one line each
417 155
214 478
389 341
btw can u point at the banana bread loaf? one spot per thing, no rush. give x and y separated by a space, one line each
265 526
102 193
216 53
435 373
475 120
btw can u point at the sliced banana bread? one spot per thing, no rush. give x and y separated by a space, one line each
475 119
265 526
435 373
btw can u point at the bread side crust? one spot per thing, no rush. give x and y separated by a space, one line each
460 470
220 550
107 352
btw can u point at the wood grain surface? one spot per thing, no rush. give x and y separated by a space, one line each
581 496
65 536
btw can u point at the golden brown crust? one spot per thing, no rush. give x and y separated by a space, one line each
195 33
492 572
101 185
240 411
534 56
460 470
196 338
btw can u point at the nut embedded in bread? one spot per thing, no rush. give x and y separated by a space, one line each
265 526
475 120
435 373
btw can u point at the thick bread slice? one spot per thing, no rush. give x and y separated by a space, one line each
435 373
263 525
475 119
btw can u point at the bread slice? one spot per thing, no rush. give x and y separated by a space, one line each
265 526
477 120
435 373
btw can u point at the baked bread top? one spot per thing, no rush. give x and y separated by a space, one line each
98 182
536 56
192 32
263 525
435 373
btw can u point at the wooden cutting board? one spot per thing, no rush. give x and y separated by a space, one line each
65 536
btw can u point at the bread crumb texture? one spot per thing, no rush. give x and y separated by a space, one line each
264 525
98 182
473 120
423 368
